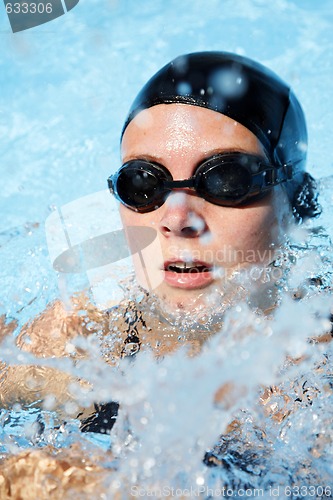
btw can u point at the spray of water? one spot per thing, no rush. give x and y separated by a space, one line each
242 400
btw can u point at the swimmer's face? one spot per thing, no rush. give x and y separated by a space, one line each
190 230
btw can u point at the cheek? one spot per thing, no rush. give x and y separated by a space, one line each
138 228
127 216
242 231
145 247
130 221
136 225
259 228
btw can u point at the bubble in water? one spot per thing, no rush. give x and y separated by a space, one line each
144 120
230 83
180 65
302 146
176 199
197 223
184 88
206 238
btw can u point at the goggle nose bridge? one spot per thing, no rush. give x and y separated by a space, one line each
181 184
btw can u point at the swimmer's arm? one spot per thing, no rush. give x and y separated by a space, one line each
6 328
40 387
49 335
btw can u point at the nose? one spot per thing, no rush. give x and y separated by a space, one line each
182 216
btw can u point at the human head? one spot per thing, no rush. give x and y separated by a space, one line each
238 91
249 93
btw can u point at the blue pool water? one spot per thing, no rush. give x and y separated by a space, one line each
65 89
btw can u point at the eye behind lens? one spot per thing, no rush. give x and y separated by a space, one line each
140 185
225 182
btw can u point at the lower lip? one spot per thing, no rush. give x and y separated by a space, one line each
188 281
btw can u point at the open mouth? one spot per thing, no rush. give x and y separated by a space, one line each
187 267
188 275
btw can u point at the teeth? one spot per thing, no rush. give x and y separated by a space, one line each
181 265
184 265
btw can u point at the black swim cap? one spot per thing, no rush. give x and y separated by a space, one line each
241 89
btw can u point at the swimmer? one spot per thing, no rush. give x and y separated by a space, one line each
213 160
213 153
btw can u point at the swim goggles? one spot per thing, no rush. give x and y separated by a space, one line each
226 179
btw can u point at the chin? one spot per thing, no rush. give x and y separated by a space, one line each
177 300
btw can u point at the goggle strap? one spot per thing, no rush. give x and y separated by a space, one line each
276 175
110 185
289 171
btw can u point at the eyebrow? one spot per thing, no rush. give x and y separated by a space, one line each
218 151
147 157
208 154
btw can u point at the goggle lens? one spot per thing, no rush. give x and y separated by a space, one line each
138 187
225 182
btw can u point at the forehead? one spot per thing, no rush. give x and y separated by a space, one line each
169 129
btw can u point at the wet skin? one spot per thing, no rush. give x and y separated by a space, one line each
191 230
